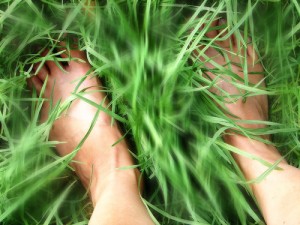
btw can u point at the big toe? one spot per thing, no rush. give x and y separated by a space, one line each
225 40
35 82
212 30
41 71
219 30
71 53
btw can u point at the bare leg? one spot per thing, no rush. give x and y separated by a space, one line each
278 194
114 192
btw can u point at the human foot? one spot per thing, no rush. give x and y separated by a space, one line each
278 193
227 57
97 160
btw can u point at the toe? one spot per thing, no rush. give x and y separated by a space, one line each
78 54
75 59
212 53
49 60
212 30
226 40
252 55
71 51
242 52
41 71
35 82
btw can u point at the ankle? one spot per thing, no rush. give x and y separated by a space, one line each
114 170
250 166
117 181
254 147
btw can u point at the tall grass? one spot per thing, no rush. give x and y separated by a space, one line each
144 53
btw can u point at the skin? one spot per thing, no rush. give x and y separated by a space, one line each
97 161
279 193
114 193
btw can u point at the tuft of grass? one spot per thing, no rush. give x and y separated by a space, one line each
144 52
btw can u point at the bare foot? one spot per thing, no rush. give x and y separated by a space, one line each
254 107
278 193
97 160
250 108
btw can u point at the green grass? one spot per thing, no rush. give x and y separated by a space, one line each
144 53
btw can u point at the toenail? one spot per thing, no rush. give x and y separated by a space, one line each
222 21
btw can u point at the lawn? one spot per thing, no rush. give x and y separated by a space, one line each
144 53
